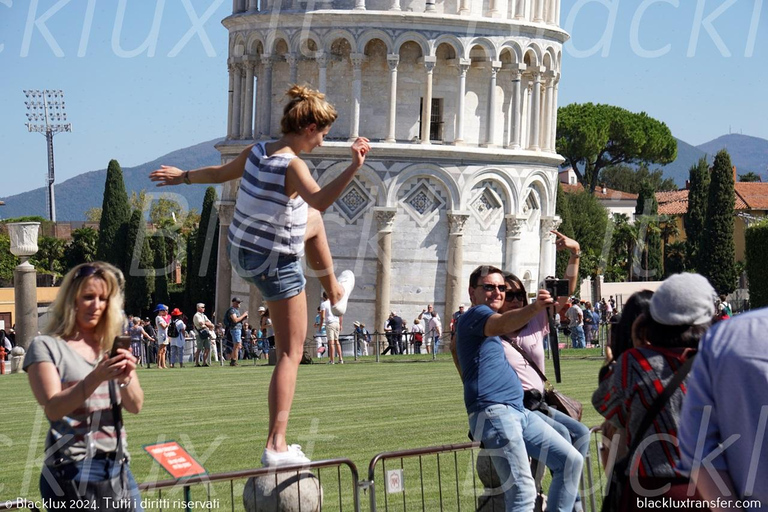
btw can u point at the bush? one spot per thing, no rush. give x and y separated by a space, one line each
756 239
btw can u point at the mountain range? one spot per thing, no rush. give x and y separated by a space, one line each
76 195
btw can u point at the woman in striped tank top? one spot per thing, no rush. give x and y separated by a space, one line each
277 219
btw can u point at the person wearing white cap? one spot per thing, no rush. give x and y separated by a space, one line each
203 329
665 339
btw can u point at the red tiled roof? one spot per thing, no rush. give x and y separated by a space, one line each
749 196
754 195
672 203
609 192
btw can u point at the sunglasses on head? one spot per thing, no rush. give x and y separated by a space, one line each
493 287
93 270
511 295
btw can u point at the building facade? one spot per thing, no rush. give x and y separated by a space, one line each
459 100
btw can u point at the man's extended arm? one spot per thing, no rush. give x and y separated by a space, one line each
503 323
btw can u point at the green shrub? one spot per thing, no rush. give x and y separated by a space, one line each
756 238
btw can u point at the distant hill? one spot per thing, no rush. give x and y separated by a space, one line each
687 156
747 153
76 195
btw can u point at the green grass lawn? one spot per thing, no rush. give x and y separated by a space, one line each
219 415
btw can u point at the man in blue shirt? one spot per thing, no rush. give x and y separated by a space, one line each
493 397
723 424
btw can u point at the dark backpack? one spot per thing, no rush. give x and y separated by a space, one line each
173 330
227 320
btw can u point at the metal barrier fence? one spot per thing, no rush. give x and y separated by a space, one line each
179 491
461 488
427 479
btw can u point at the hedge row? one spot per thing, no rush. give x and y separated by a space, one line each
757 271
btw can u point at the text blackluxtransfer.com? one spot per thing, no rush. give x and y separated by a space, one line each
672 504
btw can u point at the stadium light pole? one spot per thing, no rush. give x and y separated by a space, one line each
47 116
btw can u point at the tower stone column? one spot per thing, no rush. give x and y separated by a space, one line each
237 106
550 107
266 86
293 64
357 93
534 144
464 8
393 60
454 265
249 63
322 66
491 132
463 68
230 97
517 105
548 250
553 128
514 227
385 220
426 111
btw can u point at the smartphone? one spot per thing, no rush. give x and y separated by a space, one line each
120 342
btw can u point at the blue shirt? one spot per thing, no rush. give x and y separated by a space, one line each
488 377
729 381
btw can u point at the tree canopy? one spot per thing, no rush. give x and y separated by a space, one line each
719 258
696 216
749 177
628 179
114 218
592 137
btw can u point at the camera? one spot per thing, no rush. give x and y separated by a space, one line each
557 287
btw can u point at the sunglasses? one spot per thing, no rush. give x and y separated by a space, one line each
93 270
493 287
512 295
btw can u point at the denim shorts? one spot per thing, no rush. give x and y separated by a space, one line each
277 276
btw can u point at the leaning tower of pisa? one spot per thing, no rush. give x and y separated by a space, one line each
459 99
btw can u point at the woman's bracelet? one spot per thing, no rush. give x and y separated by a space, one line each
125 384
186 178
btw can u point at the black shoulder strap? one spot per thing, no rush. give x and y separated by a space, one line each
661 401
528 360
117 417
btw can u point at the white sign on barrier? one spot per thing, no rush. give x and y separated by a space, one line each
395 482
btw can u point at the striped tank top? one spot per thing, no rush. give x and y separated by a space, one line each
266 220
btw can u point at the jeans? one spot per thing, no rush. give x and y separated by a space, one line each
573 431
89 470
177 354
577 337
510 436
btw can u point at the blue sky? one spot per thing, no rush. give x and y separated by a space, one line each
145 77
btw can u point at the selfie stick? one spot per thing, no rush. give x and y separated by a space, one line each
553 345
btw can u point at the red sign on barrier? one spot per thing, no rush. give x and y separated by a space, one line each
175 459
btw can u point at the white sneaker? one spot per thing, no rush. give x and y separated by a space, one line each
347 281
293 455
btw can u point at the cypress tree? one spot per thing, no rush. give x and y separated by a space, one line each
206 248
139 260
115 214
159 250
718 255
696 216
647 212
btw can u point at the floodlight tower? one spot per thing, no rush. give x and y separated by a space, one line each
47 116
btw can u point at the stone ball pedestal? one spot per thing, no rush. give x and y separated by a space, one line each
492 498
17 359
283 492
